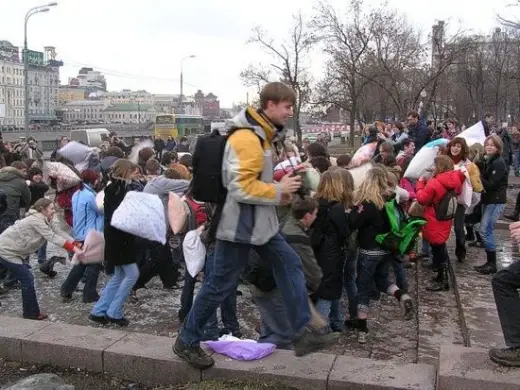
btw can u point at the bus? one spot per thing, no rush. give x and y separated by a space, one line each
178 125
165 126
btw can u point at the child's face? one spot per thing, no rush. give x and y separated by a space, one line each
37 178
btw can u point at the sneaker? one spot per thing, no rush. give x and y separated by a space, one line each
407 304
476 244
362 337
506 356
118 321
99 319
312 341
193 355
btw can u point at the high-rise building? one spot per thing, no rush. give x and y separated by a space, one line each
11 87
43 81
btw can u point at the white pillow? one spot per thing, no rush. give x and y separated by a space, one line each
142 215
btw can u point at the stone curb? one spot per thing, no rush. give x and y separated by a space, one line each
149 360
471 369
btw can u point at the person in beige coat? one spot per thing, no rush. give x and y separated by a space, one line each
22 239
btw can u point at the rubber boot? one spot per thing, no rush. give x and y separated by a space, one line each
441 280
491 265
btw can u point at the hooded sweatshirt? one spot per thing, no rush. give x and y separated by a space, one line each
28 235
249 212
430 194
12 182
162 186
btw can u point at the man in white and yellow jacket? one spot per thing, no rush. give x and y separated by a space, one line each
249 221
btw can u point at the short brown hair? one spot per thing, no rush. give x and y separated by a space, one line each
464 149
343 160
276 92
301 206
20 165
413 114
172 174
152 167
399 125
114 151
496 141
443 164
387 147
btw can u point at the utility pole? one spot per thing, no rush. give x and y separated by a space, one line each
25 54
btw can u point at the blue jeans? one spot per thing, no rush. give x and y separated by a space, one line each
228 309
373 269
42 253
487 225
116 292
275 327
187 295
400 274
349 281
229 262
22 273
332 311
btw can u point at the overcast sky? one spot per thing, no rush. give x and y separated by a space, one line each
139 44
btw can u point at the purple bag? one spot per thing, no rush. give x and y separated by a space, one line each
242 350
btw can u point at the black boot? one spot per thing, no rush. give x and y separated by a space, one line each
441 280
491 265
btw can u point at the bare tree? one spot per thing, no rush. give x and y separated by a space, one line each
347 46
289 63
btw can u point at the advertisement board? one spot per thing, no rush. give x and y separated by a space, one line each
35 58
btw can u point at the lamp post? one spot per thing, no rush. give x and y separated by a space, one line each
31 12
182 81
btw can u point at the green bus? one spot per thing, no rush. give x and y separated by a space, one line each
178 125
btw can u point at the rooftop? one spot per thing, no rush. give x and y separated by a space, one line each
85 103
129 107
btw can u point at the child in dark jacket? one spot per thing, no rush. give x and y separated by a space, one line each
36 185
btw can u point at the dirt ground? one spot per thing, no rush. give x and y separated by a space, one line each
10 372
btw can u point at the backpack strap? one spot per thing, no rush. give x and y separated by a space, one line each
192 218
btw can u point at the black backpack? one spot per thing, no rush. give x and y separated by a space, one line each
207 167
445 210
3 202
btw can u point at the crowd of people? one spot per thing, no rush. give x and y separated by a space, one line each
293 226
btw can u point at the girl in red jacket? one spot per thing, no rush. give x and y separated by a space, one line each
435 232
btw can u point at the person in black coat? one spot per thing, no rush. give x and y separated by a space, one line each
329 233
120 249
417 130
494 176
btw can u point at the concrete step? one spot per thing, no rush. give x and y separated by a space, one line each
463 368
149 360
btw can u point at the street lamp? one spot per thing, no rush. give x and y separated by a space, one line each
31 12
182 82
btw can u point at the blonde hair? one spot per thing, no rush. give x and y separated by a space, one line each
124 169
373 188
476 151
443 164
41 204
333 187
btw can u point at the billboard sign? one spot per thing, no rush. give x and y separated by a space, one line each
35 58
